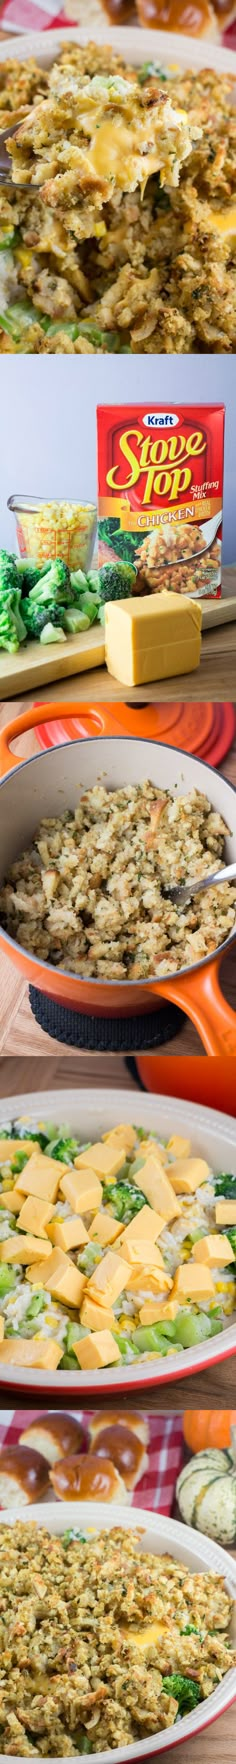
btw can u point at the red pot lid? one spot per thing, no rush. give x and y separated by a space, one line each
206 730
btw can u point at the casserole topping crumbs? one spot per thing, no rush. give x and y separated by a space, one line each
102 1643
124 238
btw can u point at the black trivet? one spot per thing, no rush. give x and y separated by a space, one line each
104 1034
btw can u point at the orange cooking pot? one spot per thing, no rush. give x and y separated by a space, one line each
49 783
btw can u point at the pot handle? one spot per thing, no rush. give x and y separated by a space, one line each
200 996
102 719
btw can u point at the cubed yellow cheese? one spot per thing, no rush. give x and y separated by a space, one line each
43 1354
23 1248
145 1254
104 1229
156 1313
108 1279
216 1250
106 1160
226 1212
178 1147
154 1182
10 1200
1 1328
68 1234
96 1350
124 1135
152 1279
193 1280
146 1224
152 638
82 1189
63 1280
187 1174
35 1215
95 1316
41 1177
9 1148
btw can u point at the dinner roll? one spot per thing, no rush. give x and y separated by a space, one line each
136 1422
54 1436
23 1476
194 19
87 1479
120 1443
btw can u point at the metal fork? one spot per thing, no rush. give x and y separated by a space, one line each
180 892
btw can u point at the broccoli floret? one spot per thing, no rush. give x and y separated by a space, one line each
186 1690
12 629
54 585
38 615
29 572
225 1185
78 582
75 620
126 1200
52 633
8 572
115 581
230 1232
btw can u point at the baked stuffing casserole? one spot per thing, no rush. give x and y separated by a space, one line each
102 1644
118 1250
124 238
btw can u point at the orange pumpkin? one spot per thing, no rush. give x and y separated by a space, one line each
208 1427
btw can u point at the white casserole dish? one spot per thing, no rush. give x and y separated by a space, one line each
159 1535
168 49
213 1137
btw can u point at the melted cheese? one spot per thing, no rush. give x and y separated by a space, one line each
225 220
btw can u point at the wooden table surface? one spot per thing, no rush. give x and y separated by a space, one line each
215 679
18 1031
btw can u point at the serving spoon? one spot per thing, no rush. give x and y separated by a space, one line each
181 892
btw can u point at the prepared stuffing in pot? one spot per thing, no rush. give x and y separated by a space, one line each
92 893
101 1644
124 238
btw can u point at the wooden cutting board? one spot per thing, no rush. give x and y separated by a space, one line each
218 612
35 665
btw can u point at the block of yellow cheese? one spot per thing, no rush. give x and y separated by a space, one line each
10 1200
125 1135
187 1174
142 1255
67 1234
152 637
104 1228
146 1224
150 1280
193 1280
17 1352
82 1189
35 1215
106 1160
96 1350
95 1316
225 1212
108 1279
154 1182
178 1147
60 1277
41 1176
156 1313
20 1247
10 1147
215 1249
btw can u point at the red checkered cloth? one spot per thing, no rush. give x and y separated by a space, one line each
156 1488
